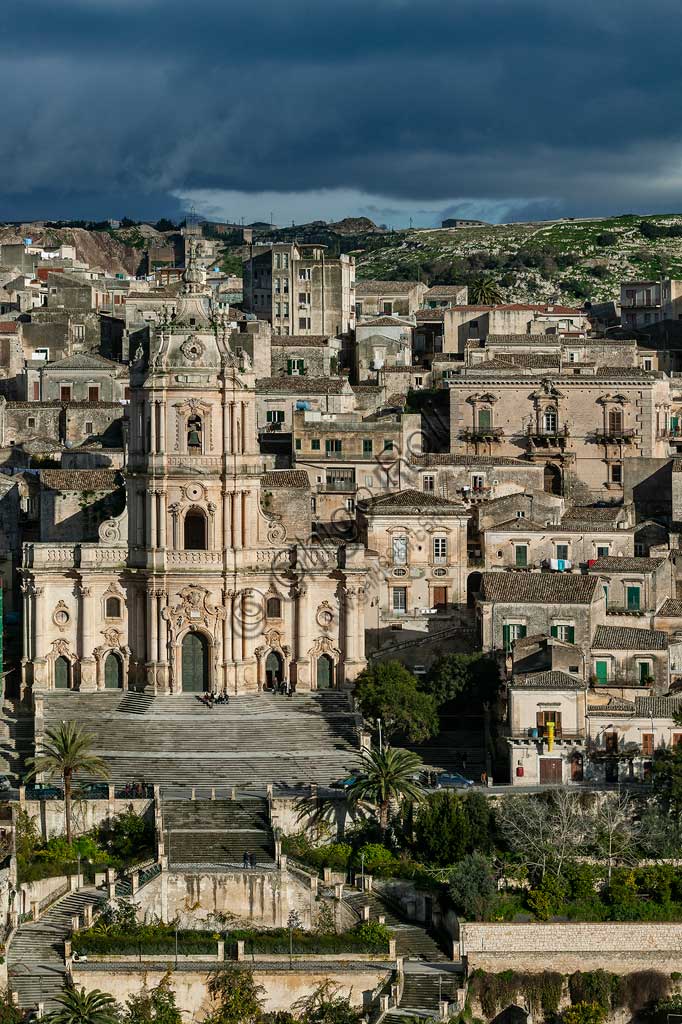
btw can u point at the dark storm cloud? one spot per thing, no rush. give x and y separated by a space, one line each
550 106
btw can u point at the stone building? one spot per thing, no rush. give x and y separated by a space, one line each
278 397
81 377
304 355
299 289
417 552
381 342
194 586
511 606
581 428
388 298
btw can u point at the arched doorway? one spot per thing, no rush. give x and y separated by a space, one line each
195 530
325 672
274 670
113 672
552 479
473 586
194 663
62 673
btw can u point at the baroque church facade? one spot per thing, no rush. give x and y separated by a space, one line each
195 586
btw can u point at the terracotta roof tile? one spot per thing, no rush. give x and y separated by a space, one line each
628 638
551 680
285 478
538 588
617 563
81 479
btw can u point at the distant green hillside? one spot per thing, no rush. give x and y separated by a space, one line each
568 261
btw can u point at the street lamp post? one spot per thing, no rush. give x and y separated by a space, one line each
381 746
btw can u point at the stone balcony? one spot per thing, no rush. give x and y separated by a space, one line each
73 556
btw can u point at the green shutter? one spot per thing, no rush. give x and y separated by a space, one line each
602 672
521 633
521 556
571 634
300 365
290 366
506 642
633 599
644 672
484 419
554 631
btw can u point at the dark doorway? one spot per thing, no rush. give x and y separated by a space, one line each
325 672
113 672
577 768
194 663
440 599
553 482
62 673
195 531
473 587
274 670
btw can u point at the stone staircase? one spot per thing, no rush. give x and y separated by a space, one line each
35 958
217 833
250 742
429 975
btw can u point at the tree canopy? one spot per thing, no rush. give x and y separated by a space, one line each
389 691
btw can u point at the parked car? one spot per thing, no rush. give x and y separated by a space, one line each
344 783
92 790
453 780
40 791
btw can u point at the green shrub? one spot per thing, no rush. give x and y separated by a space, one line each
594 987
584 1013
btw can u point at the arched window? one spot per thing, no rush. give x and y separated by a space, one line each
194 434
62 673
549 420
112 608
615 420
195 530
273 608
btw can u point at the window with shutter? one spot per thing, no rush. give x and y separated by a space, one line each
633 599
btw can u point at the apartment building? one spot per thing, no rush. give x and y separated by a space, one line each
300 290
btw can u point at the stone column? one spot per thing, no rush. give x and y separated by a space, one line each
161 642
245 595
211 538
228 658
226 428
237 520
242 410
161 516
233 428
174 510
150 532
38 621
302 639
227 520
246 521
162 428
152 642
88 679
354 660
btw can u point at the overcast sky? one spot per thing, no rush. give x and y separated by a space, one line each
305 109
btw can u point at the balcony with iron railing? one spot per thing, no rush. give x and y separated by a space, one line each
540 438
615 435
489 434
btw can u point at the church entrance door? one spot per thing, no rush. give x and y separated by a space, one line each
194 663
325 672
113 673
62 673
274 670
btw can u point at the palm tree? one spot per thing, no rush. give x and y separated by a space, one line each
320 812
66 751
387 777
485 291
81 1007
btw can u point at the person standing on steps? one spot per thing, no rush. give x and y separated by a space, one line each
247 859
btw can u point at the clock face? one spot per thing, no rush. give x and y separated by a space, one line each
192 349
